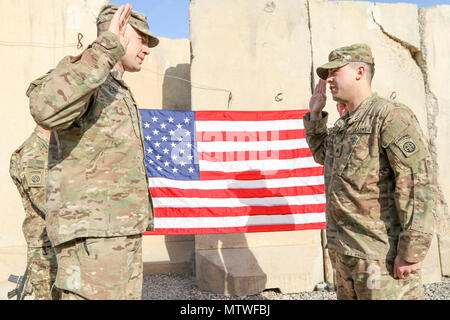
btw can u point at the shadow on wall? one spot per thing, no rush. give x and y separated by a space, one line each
231 267
176 89
176 95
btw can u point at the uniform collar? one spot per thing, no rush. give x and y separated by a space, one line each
41 135
118 76
362 109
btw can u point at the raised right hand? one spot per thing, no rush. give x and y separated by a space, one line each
318 100
119 23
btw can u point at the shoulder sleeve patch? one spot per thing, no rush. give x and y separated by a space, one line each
35 173
403 137
410 148
408 145
35 177
36 163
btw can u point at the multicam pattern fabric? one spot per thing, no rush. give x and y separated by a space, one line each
100 268
362 279
28 169
379 181
359 52
97 183
42 269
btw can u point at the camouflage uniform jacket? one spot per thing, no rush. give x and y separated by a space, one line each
97 184
28 170
379 182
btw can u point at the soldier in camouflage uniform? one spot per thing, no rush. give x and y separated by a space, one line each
380 185
28 169
97 191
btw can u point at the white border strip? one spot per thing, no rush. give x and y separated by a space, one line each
268 125
229 146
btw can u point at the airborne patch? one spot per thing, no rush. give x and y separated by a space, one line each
35 172
407 145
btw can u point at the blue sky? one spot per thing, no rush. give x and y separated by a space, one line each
170 18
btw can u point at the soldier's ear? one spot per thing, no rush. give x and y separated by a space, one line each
360 72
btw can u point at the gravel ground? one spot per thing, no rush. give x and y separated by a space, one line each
182 287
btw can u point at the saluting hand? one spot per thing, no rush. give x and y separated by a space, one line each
318 100
119 23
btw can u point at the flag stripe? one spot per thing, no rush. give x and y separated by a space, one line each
238 193
294 124
240 211
255 155
258 174
224 146
235 184
249 115
207 136
165 202
252 165
238 221
246 229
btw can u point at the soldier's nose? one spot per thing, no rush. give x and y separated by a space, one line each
146 50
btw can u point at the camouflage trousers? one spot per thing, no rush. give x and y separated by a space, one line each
42 272
100 268
362 279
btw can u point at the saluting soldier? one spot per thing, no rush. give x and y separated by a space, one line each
379 180
98 200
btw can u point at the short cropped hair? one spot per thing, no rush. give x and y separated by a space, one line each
370 68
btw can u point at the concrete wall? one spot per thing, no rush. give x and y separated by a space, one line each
435 28
27 53
264 53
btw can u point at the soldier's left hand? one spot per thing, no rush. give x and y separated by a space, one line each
402 268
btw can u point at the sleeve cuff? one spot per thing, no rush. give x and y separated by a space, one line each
413 245
111 43
315 126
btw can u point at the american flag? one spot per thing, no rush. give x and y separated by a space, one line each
231 172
